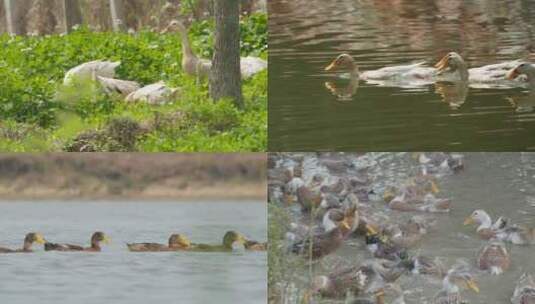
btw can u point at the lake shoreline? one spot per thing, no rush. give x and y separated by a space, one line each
221 192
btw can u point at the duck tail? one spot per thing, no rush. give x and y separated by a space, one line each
495 270
50 246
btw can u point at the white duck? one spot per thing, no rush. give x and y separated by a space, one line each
196 66
123 87
156 94
90 70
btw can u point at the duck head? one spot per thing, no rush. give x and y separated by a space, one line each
179 241
343 63
233 238
99 238
457 280
33 237
479 217
452 62
522 69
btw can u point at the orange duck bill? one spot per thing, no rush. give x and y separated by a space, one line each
332 65
511 75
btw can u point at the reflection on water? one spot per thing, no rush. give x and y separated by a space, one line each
118 276
305 36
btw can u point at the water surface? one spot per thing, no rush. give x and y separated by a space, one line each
118 276
305 35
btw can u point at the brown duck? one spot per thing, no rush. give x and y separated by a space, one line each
176 242
28 242
96 239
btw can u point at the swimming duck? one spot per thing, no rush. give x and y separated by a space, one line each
318 245
176 242
523 69
382 247
421 264
232 240
30 238
501 229
453 283
195 66
408 234
346 64
406 202
486 229
524 291
452 68
91 69
517 234
96 239
494 257
155 94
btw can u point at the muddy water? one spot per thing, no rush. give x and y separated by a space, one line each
500 183
305 35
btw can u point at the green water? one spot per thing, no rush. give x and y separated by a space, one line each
304 115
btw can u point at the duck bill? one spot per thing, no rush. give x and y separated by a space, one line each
442 64
331 66
106 240
472 285
511 75
434 187
468 221
371 230
40 239
345 225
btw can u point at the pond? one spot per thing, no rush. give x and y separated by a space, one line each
503 184
305 114
118 276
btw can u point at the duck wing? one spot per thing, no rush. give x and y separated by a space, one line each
62 247
123 87
146 247
411 70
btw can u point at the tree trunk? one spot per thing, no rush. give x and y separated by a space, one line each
225 76
15 16
73 14
117 15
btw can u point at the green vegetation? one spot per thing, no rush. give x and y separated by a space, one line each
38 114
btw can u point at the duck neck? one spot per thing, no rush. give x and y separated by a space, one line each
354 71
187 52
486 222
95 246
27 246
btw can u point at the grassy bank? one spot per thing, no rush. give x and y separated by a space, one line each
132 175
34 117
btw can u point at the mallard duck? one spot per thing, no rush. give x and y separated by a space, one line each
421 264
346 64
195 66
320 244
176 242
494 257
96 239
356 280
524 291
156 94
30 238
381 247
122 87
453 283
406 202
91 69
523 69
485 229
232 240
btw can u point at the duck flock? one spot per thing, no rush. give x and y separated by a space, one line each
338 201
102 72
232 240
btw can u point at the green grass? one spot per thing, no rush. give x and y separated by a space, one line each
34 118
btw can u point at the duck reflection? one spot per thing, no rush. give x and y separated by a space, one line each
344 91
452 93
522 103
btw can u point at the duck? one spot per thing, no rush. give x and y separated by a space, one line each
494 257
90 70
523 69
176 242
452 68
346 64
122 87
232 240
429 203
195 66
318 245
486 229
425 265
453 283
154 94
97 239
524 290
32 237
408 234
517 235
383 248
